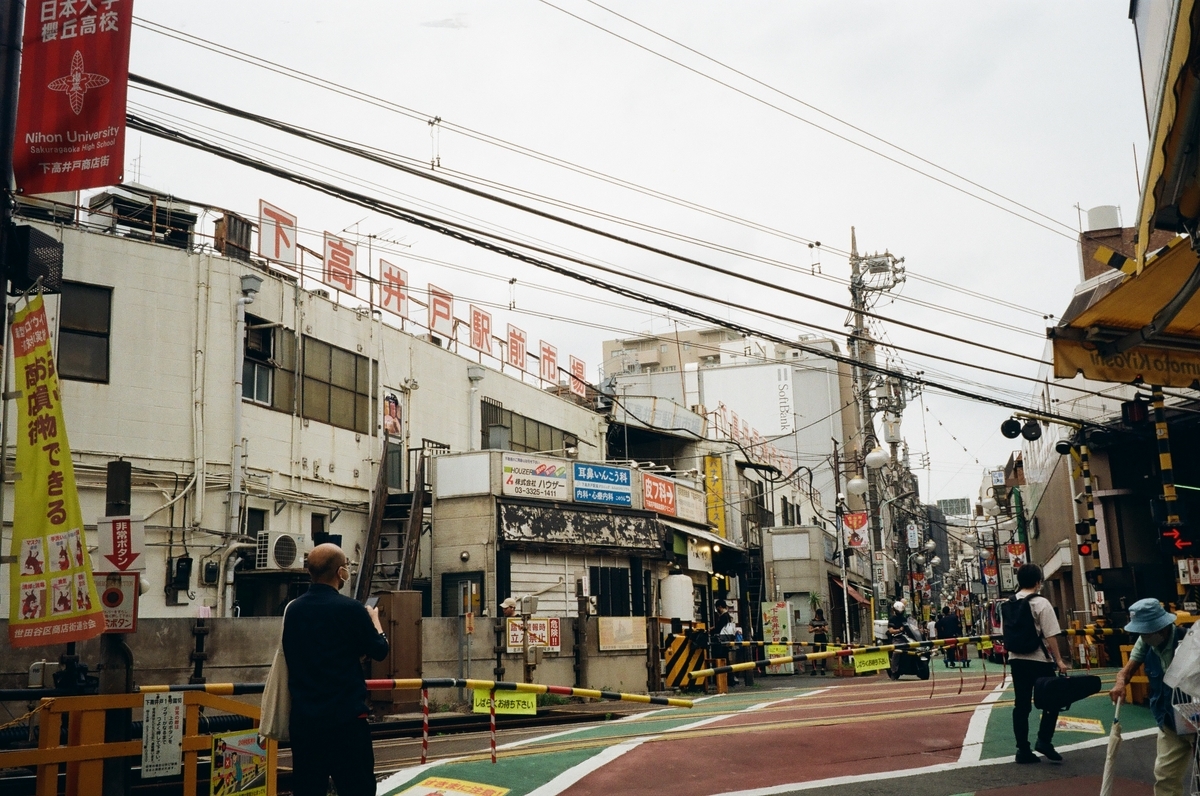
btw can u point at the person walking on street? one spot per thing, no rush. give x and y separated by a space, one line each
1031 633
325 636
948 626
1155 649
820 636
724 630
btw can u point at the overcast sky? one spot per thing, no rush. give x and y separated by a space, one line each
1038 102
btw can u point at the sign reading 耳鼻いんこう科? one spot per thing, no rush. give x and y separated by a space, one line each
53 598
71 105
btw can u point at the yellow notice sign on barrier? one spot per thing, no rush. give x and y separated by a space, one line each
985 644
871 661
516 703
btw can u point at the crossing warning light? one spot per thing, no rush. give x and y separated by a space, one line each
1083 528
1085 549
1174 540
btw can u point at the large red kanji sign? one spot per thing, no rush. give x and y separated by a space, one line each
71 108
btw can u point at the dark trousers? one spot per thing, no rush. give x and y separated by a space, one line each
1024 675
341 751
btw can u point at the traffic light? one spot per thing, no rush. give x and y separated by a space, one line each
1085 549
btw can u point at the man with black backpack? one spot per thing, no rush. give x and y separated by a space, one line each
1031 633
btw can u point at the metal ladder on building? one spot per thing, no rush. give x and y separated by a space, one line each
394 528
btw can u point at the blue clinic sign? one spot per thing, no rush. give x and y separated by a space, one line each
598 483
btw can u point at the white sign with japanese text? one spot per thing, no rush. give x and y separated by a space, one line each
393 288
340 269
548 356
532 476
578 377
276 233
441 312
122 543
516 347
481 330
690 504
544 632
162 735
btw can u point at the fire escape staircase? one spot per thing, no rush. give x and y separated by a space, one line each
394 528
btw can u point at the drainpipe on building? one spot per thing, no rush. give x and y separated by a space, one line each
475 374
250 287
225 587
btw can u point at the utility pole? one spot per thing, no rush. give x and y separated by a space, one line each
875 273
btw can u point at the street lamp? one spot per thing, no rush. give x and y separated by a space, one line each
857 486
877 458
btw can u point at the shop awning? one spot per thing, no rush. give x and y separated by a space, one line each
1146 328
699 533
854 593
1172 91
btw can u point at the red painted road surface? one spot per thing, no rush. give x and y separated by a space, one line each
737 760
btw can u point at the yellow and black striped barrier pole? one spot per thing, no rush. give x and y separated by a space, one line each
416 684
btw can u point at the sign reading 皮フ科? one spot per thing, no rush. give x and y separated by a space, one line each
53 597
535 477
509 702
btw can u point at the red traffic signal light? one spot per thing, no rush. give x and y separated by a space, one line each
1085 549
1174 541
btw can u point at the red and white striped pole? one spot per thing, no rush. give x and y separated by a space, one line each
492 703
424 725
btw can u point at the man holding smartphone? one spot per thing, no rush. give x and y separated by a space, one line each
325 636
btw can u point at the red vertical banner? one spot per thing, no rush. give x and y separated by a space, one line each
548 356
516 347
481 330
578 377
71 108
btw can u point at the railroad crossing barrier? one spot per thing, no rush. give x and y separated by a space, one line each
85 751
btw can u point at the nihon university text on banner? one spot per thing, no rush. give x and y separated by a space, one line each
53 596
71 107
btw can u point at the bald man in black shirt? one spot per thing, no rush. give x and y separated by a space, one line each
325 636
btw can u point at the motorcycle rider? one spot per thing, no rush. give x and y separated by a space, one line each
901 630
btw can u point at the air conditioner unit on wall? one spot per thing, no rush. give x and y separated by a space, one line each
281 550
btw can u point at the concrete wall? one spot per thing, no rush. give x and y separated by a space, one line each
239 650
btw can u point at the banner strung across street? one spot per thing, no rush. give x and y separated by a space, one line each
53 598
71 106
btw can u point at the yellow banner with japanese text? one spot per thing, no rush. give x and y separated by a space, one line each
1166 368
714 488
53 596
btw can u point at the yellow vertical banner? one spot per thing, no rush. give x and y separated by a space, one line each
714 490
53 596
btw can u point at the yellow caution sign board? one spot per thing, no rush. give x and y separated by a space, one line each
516 703
986 644
442 786
871 661
1092 726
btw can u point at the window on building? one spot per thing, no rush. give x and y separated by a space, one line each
84 323
662 348
668 368
269 365
316 524
504 429
687 346
616 353
337 386
256 520
610 587
785 510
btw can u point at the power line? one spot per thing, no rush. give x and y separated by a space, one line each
824 113
479 239
370 99
811 123
392 162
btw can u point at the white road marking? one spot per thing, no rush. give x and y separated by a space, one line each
852 779
577 772
972 748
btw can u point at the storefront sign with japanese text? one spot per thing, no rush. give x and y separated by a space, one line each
578 378
71 106
53 598
714 490
481 330
658 494
532 476
690 505
599 483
